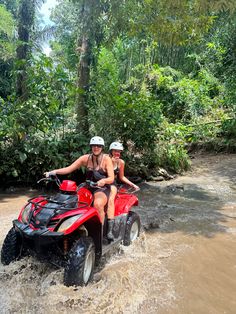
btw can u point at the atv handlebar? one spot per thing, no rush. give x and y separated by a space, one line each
51 178
122 189
93 184
127 189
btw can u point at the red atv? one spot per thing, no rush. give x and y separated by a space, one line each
66 230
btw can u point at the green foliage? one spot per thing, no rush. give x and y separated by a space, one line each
11 6
6 22
162 77
50 100
7 47
66 18
27 160
35 135
171 152
183 98
120 112
138 116
173 157
103 95
229 128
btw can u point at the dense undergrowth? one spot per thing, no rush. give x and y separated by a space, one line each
160 116
159 82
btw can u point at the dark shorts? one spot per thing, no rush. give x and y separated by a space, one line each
106 190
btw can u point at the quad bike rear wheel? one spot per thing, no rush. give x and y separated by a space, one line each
80 264
132 228
12 247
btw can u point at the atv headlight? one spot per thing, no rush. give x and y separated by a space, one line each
25 213
68 223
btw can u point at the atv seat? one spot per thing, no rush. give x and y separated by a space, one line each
69 200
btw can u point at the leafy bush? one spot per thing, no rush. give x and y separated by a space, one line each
27 160
171 152
229 128
124 113
121 112
184 98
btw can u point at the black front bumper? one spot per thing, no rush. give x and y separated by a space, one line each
40 237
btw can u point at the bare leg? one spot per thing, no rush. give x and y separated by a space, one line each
100 201
111 203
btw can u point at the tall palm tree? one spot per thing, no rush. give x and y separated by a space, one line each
26 23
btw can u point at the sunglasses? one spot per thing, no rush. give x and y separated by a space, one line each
99 146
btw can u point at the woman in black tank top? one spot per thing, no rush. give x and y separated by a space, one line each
99 168
94 173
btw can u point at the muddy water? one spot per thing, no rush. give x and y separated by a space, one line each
183 262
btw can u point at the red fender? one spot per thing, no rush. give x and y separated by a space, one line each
124 202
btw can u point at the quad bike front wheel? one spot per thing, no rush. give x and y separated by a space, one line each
12 247
132 228
80 264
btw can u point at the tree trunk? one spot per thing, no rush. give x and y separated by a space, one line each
25 23
83 85
88 12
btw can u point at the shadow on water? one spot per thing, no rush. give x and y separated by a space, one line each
188 208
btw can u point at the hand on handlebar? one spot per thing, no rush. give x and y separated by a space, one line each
135 187
101 183
49 173
94 184
50 176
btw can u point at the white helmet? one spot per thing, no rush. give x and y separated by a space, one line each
116 145
97 140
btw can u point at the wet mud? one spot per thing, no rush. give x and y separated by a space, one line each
183 262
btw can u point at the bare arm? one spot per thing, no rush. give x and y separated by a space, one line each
81 161
122 176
